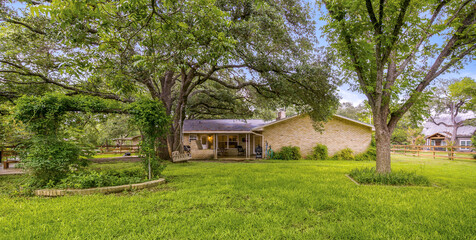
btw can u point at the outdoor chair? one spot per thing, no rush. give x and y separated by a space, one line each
241 151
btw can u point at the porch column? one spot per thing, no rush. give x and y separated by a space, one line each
263 150
215 146
247 144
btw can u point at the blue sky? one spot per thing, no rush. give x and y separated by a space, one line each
347 95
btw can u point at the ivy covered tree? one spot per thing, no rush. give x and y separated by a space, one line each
50 153
153 122
389 49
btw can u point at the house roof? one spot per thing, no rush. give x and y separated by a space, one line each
260 128
221 125
236 125
465 131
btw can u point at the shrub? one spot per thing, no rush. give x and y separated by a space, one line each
90 179
370 176
319 152
288 153
49 159
370 154
344 154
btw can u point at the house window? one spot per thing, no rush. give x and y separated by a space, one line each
227 141
222 141
192 137
465 142
232 141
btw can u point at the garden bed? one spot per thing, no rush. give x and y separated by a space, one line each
103 190
368 176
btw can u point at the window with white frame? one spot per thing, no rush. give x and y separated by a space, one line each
192 137
465 142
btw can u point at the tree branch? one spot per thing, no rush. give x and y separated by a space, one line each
26 72
25 25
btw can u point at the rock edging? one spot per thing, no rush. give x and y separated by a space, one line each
103 190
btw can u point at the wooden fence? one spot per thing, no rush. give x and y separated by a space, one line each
450 152
7 153
113 149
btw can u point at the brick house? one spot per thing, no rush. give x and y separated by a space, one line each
231 138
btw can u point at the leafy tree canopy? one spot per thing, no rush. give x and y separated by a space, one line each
388 49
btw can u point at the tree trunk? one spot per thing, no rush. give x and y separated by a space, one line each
382 140
163 148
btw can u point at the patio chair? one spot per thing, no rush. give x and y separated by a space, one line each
241 151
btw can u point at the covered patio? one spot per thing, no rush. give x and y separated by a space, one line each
222 139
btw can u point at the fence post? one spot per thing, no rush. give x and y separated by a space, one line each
452 153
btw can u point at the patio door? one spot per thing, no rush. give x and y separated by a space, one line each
204 141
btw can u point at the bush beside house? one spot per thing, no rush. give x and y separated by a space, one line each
288 153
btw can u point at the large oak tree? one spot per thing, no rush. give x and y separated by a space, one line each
198 57
394 49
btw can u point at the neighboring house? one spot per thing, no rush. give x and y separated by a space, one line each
220 138
437 135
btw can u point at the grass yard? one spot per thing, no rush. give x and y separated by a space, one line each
264 200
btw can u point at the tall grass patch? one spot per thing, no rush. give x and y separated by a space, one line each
370 176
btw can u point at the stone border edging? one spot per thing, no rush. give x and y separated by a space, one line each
103 190
347 175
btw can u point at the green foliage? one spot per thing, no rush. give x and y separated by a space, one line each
288 153
91 179
49 159
150 117
49 155
344 154
369 154
319 152
361 112
370 176
386 51
44 114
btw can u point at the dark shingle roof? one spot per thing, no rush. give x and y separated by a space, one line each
221 125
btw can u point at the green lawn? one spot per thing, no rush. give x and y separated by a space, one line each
265 200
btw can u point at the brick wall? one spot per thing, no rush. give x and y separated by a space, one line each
338 134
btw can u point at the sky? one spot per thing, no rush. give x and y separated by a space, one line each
355 97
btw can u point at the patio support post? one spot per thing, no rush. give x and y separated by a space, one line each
263 150
247 145
215 144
